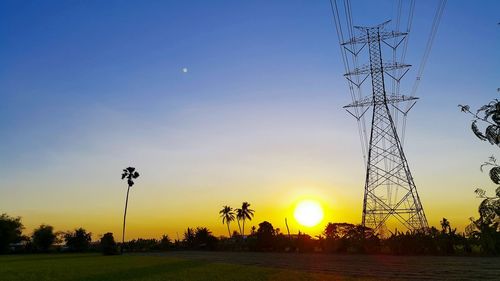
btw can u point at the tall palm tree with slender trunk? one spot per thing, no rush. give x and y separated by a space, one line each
246 214
227 216
130 174
239 216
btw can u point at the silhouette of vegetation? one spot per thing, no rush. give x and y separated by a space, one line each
347 238
151 245
142 245
43 237
336 238
239 217
486 229
488 115
265 236
130 174
204 239
227 215
108 245
200 238
10 232
189 238
165 243
78 240
245 213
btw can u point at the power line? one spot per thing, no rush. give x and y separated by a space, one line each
428 47
347 68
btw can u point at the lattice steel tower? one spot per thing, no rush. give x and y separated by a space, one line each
390 192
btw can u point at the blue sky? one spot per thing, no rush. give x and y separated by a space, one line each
89 87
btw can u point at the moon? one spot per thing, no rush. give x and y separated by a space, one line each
184 70
308 213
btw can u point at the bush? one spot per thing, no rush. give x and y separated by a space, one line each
108 244
10 232
43 237
78 241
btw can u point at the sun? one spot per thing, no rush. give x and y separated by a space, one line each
308 213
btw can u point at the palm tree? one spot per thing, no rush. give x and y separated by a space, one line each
239 216
254 229
246 214
227 216
130 173
189 237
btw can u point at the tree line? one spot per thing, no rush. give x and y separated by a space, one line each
42 240
336 238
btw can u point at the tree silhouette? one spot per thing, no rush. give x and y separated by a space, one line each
265 236
78 240
239 216
246 214
487 227
488 115
43 237
189 237
10 231
254 229
227 216
108 244
130 174
165 242
445 225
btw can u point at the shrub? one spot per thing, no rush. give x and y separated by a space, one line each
108 244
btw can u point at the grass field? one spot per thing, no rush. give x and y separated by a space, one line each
244 266
136 267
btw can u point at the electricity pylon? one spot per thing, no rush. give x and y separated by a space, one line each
390 192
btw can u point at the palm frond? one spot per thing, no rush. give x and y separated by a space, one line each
493 134
495 174
481 193
490 109
464 108
476 131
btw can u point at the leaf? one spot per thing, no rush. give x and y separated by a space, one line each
476 131
480 192
492 159
124 175
496 118
135 175
497 191
131 169
493 134
464 108
495 175
487 211
482 165
484 108
130 182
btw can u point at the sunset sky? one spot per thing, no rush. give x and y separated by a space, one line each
91 87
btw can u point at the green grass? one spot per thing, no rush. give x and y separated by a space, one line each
95 267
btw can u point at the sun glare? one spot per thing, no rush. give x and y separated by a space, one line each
308 213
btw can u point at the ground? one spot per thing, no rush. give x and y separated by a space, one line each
244 266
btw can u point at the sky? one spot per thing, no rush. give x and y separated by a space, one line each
91 87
